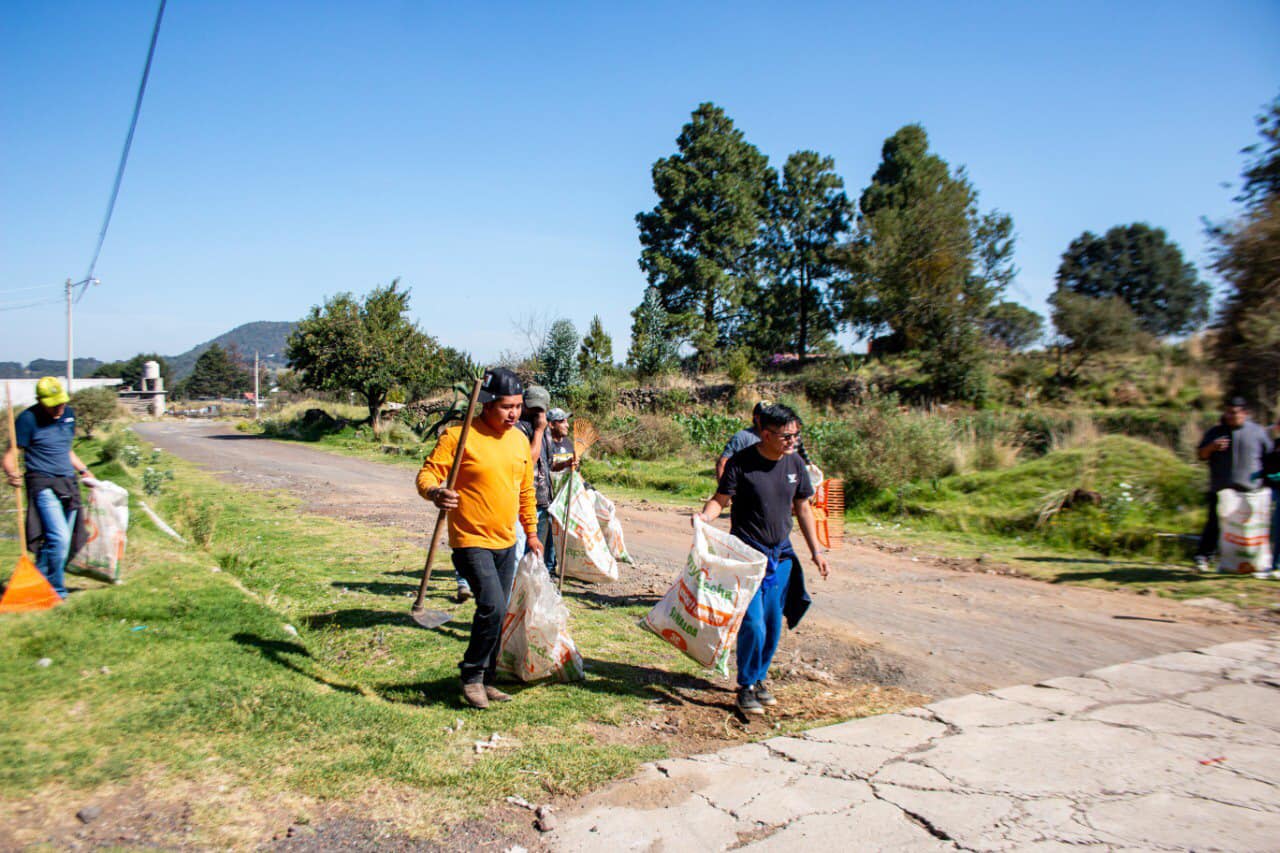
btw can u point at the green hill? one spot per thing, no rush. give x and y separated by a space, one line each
265 337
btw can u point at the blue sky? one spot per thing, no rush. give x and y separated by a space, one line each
493 156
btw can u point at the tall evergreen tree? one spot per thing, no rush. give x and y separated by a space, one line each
596 353
217 373
810 213
926 266
700 242
1145 269
557 355
652 351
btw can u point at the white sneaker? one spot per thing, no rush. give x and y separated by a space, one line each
1202 564
1271 575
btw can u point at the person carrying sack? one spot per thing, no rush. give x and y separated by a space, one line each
55 522
767 483
494 488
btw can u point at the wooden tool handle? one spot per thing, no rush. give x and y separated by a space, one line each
17 493
448 484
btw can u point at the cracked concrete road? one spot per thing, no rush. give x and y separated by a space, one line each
1176 752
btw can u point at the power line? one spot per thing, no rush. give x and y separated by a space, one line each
33 287
19 306
124 155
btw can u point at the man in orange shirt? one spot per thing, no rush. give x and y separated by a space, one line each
494 488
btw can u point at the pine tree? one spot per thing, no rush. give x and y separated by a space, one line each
557 356
652 351
700 244
596 354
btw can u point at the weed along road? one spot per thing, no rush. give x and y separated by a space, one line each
891 618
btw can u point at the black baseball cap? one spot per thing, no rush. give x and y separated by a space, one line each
1238 403
500 382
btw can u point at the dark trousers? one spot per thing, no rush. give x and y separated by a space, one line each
1212 530
544 536
490 574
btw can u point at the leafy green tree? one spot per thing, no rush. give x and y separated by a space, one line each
94 406
366 346
1141 266
596 354
700 243
557 355
924 262
217 373
1247 256
1088 326
810 213
130 372
653 351
1014 326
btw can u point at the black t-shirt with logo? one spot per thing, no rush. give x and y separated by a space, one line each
763 492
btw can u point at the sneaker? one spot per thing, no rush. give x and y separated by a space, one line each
1202 563
747 701
464 592
1271 575
476 695
495 695
763 696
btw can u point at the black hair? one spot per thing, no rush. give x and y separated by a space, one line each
778 415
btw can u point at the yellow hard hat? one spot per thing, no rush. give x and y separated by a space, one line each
50 393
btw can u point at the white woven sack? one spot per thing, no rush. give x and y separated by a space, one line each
607 516
586 556
1245 521
701 613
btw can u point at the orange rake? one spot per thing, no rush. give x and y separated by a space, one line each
828 517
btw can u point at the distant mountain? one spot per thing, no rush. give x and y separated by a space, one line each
47 367
265 337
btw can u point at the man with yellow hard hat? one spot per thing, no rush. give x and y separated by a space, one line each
55 524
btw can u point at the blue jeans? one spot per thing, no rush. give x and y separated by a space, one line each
56 546
762 626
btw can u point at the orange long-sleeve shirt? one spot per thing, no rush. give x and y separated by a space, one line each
494 485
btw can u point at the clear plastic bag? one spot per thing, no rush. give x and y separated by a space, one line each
535 632
701 613
107 520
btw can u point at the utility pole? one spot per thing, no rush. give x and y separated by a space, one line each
257 401
70 370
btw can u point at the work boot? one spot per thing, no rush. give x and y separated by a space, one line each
496 695
747 701
464 592
476 695
763 696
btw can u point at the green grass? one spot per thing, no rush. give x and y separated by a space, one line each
204 675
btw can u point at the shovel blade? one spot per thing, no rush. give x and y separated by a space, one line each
430 618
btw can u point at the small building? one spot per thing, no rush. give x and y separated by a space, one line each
150 398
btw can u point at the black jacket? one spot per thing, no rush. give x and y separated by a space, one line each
67 490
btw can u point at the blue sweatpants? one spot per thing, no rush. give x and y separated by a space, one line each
762 626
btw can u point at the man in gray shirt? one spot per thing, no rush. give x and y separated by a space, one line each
1235 449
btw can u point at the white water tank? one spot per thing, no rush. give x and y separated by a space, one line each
150 370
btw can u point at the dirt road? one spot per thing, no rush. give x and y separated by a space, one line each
888 617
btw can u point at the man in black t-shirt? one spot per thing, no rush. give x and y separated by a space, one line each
768 483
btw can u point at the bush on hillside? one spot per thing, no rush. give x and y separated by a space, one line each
644 437
879 446
95 406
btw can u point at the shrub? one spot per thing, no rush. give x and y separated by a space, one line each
653 437
879 447
399 433
198 520
739 367
597 397
708 431
95 406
